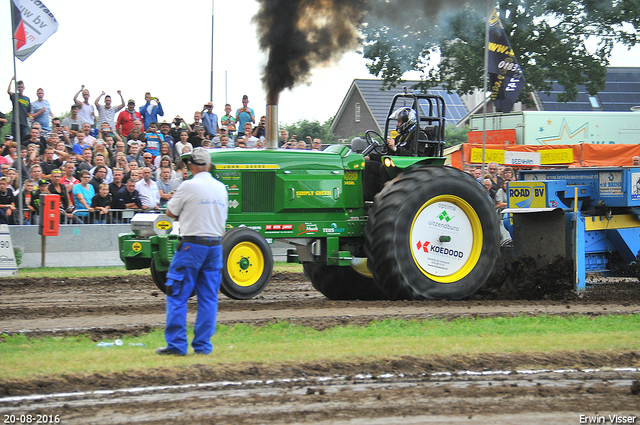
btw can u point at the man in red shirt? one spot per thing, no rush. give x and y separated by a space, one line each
124 125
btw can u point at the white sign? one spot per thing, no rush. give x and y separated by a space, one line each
635 186
522 158
8 266
610 183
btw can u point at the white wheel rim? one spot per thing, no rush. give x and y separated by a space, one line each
442 239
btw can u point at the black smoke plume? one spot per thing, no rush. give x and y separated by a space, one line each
300 35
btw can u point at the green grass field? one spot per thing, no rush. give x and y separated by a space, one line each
24 358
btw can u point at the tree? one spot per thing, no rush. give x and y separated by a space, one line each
549 38
455 136
314 129
6 129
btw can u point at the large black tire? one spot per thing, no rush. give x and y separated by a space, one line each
342 283
432 233
247 263
160 279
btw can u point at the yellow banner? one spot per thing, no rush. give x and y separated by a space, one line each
556 156
490 155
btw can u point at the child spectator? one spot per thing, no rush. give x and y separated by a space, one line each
101 204
153 140
7 202
34 203
27 194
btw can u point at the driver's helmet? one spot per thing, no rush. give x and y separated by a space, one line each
408 118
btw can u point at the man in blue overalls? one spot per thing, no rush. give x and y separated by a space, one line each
201 205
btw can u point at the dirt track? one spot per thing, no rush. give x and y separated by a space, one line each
108 308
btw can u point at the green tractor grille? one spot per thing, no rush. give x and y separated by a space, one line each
258 189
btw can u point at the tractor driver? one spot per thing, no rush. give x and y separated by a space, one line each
375 173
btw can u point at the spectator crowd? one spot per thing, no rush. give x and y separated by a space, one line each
104 158
494 178
108 156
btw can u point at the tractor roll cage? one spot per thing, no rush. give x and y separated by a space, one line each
430 118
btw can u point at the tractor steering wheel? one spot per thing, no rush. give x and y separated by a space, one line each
375 142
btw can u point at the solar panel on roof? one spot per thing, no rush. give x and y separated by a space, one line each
622 91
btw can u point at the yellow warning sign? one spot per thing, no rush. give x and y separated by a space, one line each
137 246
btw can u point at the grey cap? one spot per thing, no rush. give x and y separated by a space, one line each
200 156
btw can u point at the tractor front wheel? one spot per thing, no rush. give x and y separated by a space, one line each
247 263
159 277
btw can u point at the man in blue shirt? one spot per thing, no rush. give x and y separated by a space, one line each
41 111
210 119
149 111
244 115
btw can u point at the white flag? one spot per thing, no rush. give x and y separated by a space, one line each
33 24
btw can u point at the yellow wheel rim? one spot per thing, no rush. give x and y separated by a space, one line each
446 238
245 264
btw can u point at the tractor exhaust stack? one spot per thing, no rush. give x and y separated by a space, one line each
272 127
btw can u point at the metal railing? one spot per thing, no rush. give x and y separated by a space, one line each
113 216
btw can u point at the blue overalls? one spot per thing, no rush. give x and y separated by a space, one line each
198 266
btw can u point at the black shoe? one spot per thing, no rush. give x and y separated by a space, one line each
201 353
165 351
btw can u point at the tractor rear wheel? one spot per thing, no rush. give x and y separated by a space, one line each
342 283
432 233
247 263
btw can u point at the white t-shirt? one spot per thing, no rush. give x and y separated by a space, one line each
85 113
202 205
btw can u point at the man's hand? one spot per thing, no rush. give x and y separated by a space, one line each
392 143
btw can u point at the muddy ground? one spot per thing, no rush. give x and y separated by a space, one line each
399 390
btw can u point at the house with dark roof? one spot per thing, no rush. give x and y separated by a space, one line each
366 104
366 107
621 93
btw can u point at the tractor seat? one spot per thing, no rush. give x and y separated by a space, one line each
428 143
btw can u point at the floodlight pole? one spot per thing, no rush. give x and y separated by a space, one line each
212 22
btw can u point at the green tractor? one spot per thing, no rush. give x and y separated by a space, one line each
431 233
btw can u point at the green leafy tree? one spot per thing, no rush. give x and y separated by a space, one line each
455 136
6 129
314 129
549 38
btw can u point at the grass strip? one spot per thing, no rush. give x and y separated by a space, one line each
21 357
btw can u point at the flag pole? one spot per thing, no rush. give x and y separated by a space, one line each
16 121
484 89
